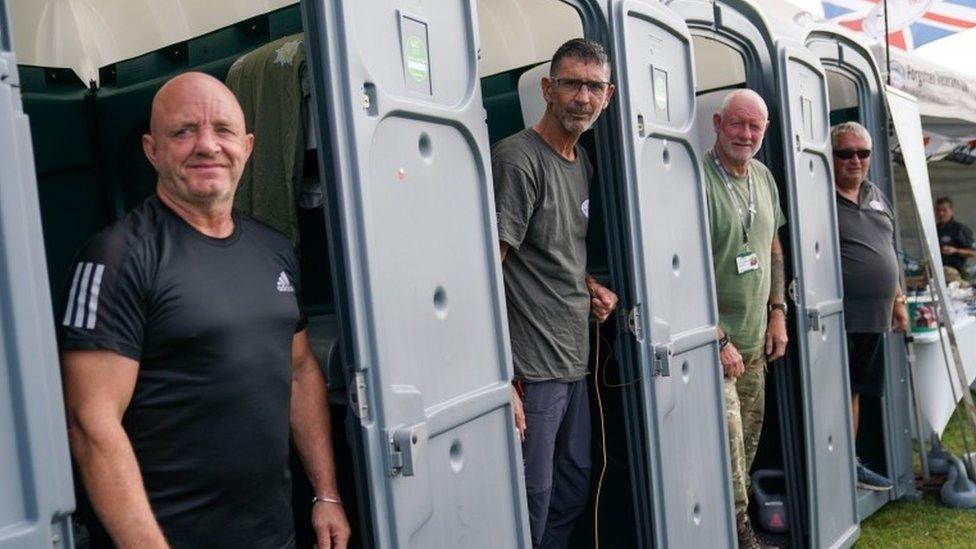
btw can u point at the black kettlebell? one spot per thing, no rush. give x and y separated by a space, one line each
772 509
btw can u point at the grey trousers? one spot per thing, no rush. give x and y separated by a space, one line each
556 454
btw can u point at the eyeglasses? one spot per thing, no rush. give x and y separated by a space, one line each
573 85
847 154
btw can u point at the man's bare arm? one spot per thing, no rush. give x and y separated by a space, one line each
311 427
966 252
776 338
98 387
777 272
503 248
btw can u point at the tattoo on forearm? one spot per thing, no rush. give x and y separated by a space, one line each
777 287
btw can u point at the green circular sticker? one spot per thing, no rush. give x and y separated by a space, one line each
416 55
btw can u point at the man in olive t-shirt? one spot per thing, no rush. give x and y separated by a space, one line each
744 216
541 180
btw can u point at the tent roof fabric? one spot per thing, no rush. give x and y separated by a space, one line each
85 35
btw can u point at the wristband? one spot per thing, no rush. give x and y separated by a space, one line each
724 341
316 499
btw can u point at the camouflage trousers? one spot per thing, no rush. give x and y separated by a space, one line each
745 401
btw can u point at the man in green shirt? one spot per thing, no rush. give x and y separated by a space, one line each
744 215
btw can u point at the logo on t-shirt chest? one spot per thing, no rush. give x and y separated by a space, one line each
284 283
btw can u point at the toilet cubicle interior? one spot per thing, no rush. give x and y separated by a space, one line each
91 170
723 65
872 444
517 41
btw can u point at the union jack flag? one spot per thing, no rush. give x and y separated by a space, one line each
911 23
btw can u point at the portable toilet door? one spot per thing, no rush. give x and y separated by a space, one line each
811 388
37 495
686 499
818 297
856 92
418 277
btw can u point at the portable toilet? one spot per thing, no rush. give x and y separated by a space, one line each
37 501
856 93
807 432
649 242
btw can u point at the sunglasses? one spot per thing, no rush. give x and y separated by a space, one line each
847 154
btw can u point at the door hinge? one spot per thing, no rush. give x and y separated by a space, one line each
406 446
634 322
662 359
358 395
791 291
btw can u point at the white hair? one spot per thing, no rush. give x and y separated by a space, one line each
850 127
743 93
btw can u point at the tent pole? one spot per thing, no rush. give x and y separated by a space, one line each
887 45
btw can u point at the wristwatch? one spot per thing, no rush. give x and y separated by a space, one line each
780 306
723 341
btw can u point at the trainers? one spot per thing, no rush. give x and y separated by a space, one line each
869 480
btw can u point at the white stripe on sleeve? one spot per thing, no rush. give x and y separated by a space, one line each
82 296
69 306
93 299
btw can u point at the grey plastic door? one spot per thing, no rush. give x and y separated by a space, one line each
673 316
36 495
853 61
818 297
423 320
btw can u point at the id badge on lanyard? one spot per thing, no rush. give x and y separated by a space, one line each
746 262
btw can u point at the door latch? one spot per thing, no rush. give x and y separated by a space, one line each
814 318
662 359
406 447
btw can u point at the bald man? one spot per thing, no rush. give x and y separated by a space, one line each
744 215
185 356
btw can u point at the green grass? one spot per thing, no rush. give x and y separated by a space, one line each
925 523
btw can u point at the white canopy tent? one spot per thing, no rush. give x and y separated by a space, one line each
85 35
940 73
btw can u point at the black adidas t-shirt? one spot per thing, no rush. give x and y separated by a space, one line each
211 323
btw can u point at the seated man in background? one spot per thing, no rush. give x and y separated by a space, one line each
873 299
955 239
185 355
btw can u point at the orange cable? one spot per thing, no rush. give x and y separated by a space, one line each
603 442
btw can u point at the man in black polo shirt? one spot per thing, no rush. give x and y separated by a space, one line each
873 300
186 360
955 238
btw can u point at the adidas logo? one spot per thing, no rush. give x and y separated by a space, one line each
284 285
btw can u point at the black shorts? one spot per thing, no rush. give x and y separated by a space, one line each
865 360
